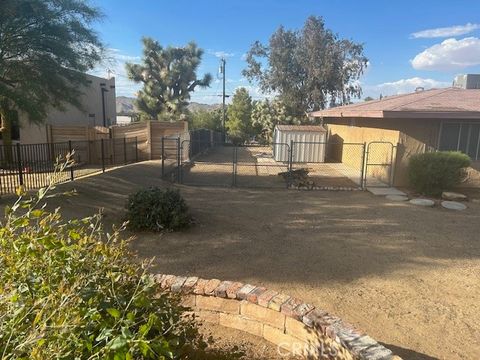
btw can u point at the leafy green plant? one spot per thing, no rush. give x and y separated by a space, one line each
68 290
156 209
433 173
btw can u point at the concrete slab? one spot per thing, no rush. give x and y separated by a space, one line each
383 191
453 205
397 197
422 202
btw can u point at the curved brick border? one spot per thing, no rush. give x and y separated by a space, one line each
276 317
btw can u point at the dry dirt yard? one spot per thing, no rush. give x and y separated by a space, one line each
408 276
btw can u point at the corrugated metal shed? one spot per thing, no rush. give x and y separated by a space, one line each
309 143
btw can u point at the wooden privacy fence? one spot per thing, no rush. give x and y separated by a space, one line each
149 135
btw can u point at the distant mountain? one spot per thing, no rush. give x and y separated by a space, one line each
125 105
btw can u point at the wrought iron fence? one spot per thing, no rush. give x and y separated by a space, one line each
33 165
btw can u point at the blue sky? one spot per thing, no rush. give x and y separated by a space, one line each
408 43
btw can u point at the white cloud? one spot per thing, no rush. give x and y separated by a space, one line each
449 31
402 86
221 54
450 54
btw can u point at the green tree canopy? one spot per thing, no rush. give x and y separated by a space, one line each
46 46
206 119
168 75
267 114
239 116
308 68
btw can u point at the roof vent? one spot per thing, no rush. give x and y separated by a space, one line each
419 89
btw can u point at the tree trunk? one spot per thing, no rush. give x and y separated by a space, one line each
7 118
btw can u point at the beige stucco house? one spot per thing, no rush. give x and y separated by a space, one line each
99 110
426 120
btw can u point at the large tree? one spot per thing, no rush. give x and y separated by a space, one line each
168 75
239 117
308 68
266 114
46 46
206 119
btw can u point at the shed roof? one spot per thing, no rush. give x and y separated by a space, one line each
447 103
309 128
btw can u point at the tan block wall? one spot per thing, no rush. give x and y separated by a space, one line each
352 155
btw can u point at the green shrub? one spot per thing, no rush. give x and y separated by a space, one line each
155 209
433 173
69 291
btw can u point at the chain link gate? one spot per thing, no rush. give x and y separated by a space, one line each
329 164
379 161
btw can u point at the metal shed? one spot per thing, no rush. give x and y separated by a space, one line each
309 143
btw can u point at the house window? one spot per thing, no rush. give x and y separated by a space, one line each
462 137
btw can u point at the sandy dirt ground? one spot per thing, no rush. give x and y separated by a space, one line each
408 276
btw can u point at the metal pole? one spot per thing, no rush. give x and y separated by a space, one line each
362 172
19 160
124 150
223 102
234 170
163 157
103 155
71 164
365 165
290 160
179 168
136 148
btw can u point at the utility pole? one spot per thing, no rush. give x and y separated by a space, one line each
222 67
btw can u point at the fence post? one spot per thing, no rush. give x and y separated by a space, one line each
19 160
234 170
163 157
124 150
103 155
136 148
290 160
71 164
363 180
179 165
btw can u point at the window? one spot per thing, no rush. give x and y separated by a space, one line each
462 137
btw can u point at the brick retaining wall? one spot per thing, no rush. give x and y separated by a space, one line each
293 325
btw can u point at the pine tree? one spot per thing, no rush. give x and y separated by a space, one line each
239 121
168 75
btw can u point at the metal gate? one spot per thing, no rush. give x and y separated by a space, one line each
221 164
379 161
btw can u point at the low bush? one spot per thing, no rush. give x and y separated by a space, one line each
155 209
70 291
432 173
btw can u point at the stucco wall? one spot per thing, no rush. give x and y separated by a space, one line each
92 103
353 156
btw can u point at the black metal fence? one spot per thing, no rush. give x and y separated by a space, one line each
32 166
210 162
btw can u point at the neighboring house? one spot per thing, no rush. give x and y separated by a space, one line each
426 120
99 110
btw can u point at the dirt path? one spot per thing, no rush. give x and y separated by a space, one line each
408 276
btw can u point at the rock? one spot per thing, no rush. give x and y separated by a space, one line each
422 202
453 196
453 205
397 197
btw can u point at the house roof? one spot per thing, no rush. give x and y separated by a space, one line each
447 103
309 128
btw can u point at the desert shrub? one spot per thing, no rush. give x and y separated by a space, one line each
432 173
70 291
155 209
